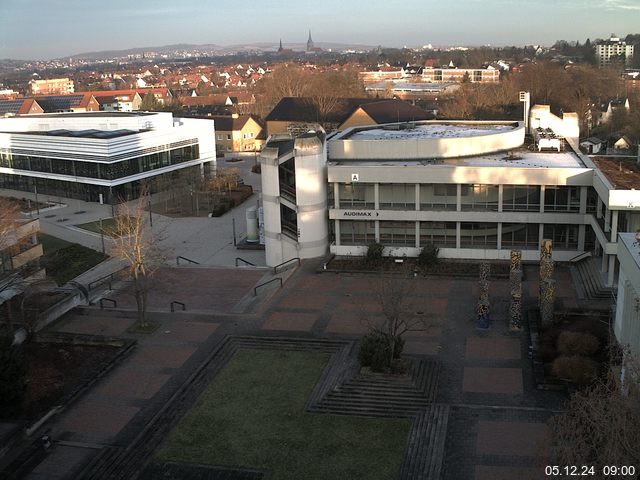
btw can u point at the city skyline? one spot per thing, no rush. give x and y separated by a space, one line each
37 29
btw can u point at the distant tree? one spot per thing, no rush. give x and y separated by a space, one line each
150 103
9 214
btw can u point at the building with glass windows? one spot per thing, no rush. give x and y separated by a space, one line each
476 190
96 156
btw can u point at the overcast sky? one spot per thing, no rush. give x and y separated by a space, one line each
43 29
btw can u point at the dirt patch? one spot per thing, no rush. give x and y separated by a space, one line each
624 173
55 370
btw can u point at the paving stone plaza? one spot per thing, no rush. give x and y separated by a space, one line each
479 387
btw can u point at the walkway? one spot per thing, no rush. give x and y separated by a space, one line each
497 417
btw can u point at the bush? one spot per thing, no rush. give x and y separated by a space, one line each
375 351
256 168
12 376
580 370
428 256
374 254
577 343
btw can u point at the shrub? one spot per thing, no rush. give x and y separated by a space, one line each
256 168
580 370
375 351
12 376
374 254
577 343
428 256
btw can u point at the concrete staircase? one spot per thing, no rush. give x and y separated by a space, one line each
588 275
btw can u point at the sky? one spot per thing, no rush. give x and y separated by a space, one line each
45 29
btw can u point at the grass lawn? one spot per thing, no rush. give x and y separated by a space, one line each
108 225
64 260
252 416
52 244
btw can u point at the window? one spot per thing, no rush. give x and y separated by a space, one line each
228 136
480 197
289 222
219 136
398 233
357 195
353 232
520 235
397 196
562 199
478 235
521 198
564 237
434 197
440 234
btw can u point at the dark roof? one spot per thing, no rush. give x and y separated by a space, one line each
390 111
11 106
90 133
57 103
304 109
225 123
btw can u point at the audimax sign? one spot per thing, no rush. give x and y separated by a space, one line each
360 213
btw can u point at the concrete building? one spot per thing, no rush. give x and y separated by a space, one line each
101 156
458 75
52 86
627 323
476 190
613 49
238 133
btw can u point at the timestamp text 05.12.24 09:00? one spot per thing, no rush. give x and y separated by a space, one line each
622 471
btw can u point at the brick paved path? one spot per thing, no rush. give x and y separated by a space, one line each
496 426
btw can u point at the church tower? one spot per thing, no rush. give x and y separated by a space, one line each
309 42
280 47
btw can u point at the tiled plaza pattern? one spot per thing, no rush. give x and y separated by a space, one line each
497 416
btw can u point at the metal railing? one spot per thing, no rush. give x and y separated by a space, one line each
296 259
114 304
244 261
106 279
173 304
579 257
255 290
178 258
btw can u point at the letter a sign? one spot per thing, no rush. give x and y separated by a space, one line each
355 177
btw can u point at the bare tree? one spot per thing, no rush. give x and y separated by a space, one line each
394 295
602 423
135 241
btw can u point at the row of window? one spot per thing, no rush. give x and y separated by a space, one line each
473 197
104 171
472 234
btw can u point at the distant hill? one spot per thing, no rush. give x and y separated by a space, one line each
214 49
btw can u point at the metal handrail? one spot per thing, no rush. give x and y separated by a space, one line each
296 259
106 279
580 257
243 260
187 259
255 290
175 302
113 302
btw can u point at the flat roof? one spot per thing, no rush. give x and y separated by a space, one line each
521 158
622 172
88 114
89 133
430 130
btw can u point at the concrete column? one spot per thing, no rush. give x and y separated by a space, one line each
336 195
500 198
607 221
458 230
336 231
376 199
377 230
603 266
612 270
542 190
417 196
599 208
614 225
583 200
581 237
458 198
417 234
540 235
500 236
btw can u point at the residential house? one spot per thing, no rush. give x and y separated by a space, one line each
19 106
592 145
238 133
76 102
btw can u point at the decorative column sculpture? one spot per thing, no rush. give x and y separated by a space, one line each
547 300
515 282
483 306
